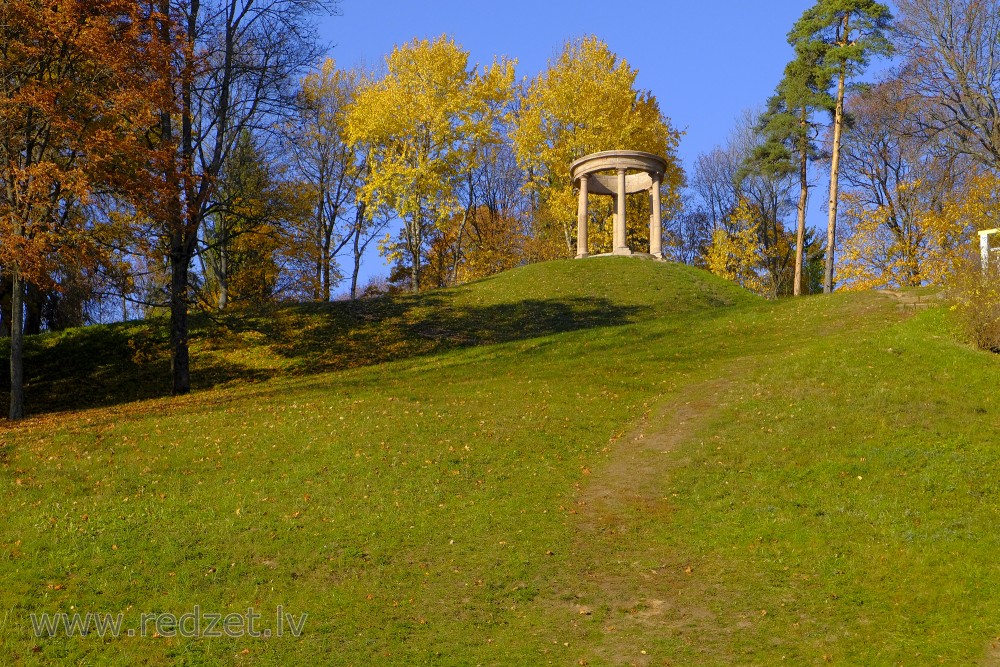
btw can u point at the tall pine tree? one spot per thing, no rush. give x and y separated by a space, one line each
790 130
842 36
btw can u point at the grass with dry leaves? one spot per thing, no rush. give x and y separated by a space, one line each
608 462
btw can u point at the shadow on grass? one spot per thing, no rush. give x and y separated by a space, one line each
349 335
109 365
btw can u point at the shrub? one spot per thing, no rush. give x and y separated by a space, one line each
976 295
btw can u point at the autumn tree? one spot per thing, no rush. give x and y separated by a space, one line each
499 230
586 102
333 169
234 68
688 234
77 79
974 289
491 233
765 184
124 247
735 253
840 38
899 188
476 243
242 236
951 60
745 190
715 182
423 122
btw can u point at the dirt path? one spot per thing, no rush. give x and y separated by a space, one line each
638 588
638 582
629 599
992 658
637 459
670 598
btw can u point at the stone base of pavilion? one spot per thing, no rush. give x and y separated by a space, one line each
625 253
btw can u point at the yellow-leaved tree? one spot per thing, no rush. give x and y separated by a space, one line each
913 239
587 102
422 123
333 171
737 254
907 201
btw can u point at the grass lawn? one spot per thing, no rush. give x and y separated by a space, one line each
609 462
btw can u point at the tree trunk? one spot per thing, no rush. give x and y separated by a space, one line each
179 356
326 271
800 226
224 272
831 225
17 346
357 266
321 236
179 366
457 258
414 243
318 286
359 217
415 270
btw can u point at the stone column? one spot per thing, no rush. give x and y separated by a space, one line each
655 224
582 249
620 235
984 248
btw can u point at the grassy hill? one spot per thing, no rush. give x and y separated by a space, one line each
108 365
608 462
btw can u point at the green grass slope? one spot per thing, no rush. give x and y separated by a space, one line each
609 462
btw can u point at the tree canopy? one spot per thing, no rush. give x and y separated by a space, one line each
424 121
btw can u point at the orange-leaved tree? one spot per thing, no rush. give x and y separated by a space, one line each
78 87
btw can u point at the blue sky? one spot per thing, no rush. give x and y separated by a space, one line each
705 61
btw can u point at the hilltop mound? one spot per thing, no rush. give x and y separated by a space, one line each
130 361
666 287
